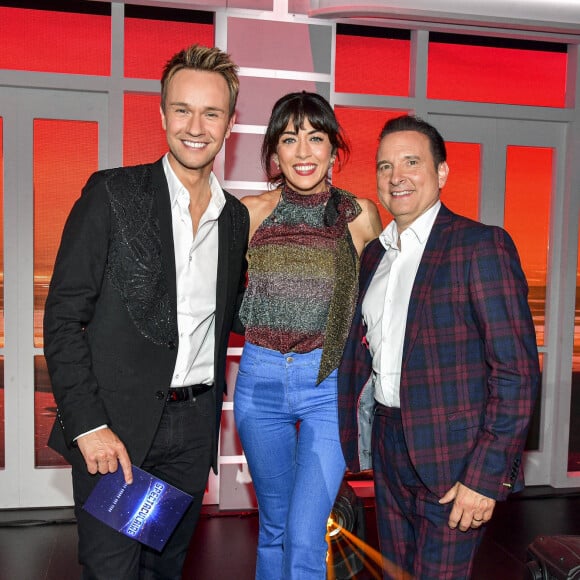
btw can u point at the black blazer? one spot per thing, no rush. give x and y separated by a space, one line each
110 322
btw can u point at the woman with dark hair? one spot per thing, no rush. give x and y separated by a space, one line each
305 240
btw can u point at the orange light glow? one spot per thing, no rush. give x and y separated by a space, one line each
372 559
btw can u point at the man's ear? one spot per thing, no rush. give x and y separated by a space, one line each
231 124
442 172
163 121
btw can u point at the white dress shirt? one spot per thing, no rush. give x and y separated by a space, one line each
196 273
196 281
386 302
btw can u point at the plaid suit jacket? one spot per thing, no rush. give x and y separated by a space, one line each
470 369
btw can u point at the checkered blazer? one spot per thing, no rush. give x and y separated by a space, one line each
470 369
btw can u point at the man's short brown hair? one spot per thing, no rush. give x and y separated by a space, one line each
197 57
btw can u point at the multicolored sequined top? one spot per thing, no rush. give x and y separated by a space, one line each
302 276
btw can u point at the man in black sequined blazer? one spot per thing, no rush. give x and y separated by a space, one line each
146 286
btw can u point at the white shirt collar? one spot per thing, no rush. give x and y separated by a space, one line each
177 189
421 227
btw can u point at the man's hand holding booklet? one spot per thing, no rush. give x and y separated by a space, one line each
147 510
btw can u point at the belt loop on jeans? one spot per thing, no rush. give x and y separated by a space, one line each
178 394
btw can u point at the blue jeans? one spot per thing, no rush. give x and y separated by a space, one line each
289 430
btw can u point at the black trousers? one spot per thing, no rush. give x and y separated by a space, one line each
181 455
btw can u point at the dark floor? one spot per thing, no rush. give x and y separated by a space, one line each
41 544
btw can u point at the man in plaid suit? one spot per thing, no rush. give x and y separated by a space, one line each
443 349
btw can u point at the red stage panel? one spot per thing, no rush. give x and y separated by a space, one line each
150 42
65 155
496 74
461 192
2 232
527 219
143 136
374 65
58 42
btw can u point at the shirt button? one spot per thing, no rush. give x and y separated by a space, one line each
289 359
159 395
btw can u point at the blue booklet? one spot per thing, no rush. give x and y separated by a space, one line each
147 510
